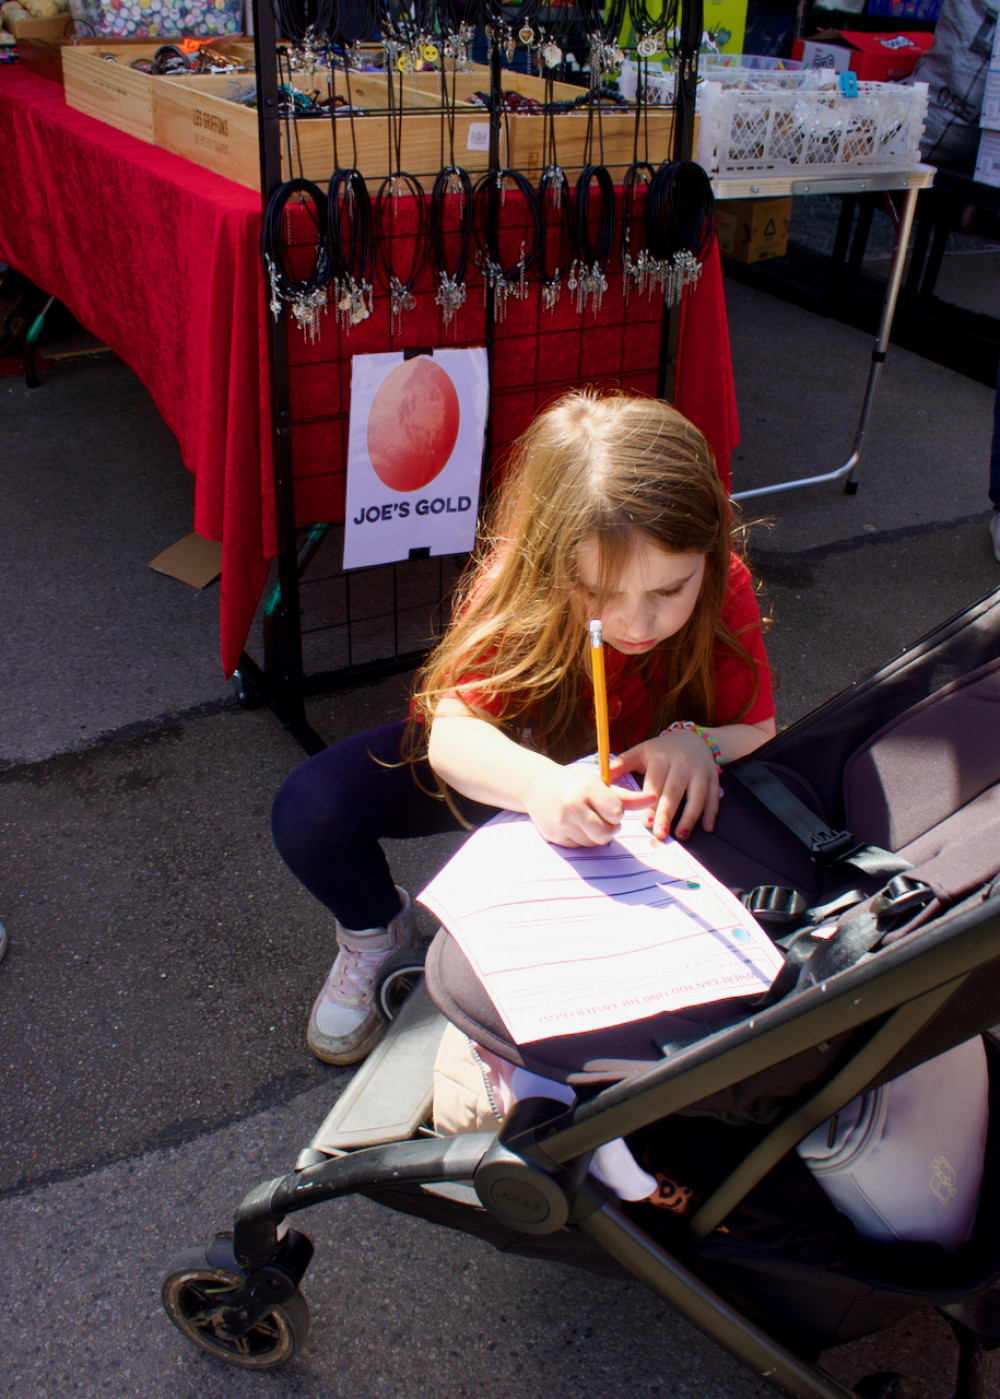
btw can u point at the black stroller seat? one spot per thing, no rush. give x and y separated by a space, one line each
898 779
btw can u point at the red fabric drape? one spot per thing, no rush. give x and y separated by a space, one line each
159 258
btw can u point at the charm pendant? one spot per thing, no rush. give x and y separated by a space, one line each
526 35
352 303
305 312
550 294
591 286
555 185
401 299
646 46
450 298
456 186
552 55
275 304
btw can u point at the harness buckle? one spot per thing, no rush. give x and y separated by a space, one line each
825 844
901 895
774 903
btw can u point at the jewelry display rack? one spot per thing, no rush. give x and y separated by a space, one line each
281 680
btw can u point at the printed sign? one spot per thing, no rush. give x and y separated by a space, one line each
414 455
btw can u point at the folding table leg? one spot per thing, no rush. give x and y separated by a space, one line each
850 467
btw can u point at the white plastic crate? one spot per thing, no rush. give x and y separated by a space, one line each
785 132
658 86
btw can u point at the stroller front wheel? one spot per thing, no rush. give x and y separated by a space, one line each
396 978
196 1296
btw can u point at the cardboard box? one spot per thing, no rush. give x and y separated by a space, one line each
988 160
752 230
875 58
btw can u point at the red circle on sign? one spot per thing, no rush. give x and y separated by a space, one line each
413 424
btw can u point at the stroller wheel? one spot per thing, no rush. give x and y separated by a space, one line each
397 976
196 1295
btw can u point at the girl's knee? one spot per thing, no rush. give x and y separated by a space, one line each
305 809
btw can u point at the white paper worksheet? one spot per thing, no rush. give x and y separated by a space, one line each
566 940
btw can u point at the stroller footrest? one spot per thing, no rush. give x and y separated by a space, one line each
389 1097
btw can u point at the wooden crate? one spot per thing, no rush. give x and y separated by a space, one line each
115 93
578 141
193 118
524 134
191 115
39 42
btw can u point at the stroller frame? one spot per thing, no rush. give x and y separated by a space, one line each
527 1188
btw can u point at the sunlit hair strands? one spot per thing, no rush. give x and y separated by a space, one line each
603 467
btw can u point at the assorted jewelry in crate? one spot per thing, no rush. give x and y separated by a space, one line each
499 227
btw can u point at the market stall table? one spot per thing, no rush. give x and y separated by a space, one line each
159 258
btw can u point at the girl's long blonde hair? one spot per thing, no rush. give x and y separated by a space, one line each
604 467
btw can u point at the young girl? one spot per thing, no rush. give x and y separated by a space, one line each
611 508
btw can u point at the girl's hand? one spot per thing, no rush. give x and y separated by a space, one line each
572 806
678 767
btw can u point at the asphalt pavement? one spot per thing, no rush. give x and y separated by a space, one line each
162 961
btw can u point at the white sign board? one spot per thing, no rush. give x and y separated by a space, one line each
414 454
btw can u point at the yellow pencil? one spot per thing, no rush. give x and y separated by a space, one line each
600 701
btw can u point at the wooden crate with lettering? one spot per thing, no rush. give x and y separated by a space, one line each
99 80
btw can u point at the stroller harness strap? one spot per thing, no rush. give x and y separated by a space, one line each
825 844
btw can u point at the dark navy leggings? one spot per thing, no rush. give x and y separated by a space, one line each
330 814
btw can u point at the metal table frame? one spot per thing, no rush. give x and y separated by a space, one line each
911 182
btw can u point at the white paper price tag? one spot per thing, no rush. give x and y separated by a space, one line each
479 136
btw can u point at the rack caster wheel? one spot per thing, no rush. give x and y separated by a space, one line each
198 1294
247 690
397 976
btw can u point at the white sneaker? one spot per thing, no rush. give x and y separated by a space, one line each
995 534
345 1024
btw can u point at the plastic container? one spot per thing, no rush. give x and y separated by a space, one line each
788 131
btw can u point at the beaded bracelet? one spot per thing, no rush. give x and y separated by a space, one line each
713 744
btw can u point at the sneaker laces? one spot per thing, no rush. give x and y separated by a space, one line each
352 979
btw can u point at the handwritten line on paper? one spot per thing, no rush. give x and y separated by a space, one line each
566 940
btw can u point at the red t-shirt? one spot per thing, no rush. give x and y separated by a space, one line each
737 686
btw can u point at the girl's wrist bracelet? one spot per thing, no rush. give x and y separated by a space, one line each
713 743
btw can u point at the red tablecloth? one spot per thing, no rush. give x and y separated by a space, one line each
159 258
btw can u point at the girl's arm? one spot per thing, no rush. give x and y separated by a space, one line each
679 767
569 805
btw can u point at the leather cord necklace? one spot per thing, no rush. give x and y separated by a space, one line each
451 194
635 259
397 183
589 279
557 232
352 245
502 279
304 297
679 220
401 290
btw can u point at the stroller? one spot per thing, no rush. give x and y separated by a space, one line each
881 809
